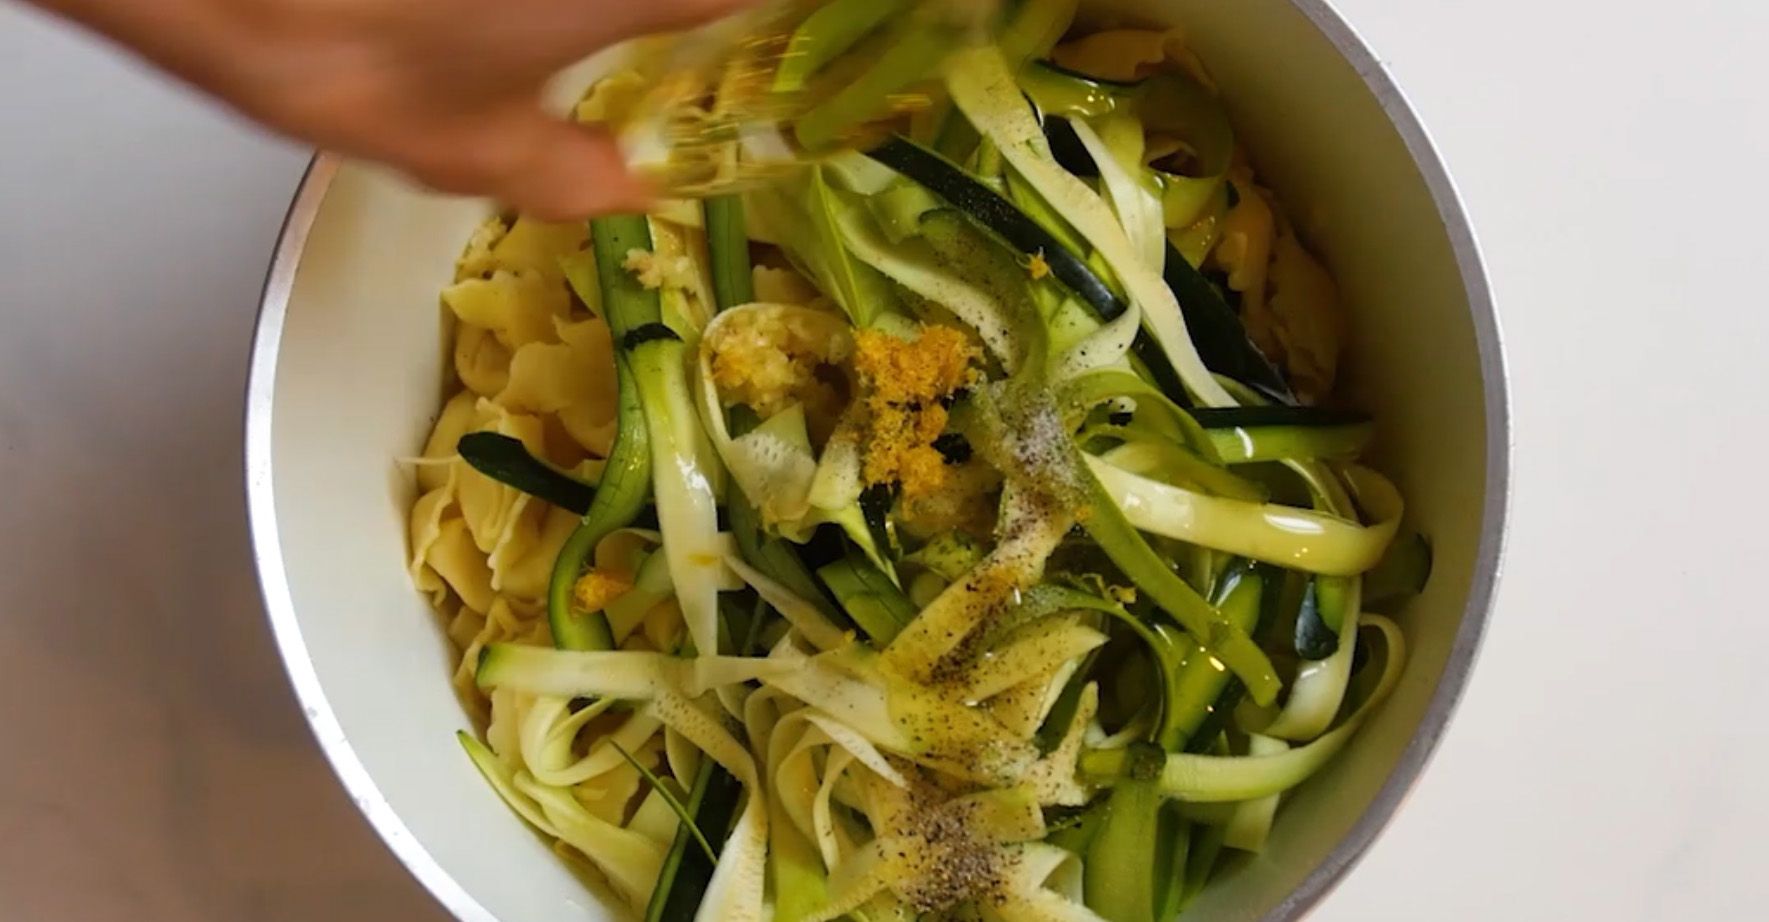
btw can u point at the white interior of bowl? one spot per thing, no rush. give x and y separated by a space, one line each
348 378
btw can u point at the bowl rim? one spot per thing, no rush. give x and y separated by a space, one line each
1489 557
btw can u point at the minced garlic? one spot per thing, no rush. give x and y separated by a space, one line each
655 270
768 359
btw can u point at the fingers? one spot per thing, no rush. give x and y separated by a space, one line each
572 171
552 169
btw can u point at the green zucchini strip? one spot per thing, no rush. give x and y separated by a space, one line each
1200 861
1200 691
1120 870
1166 104
500 777
1000 218
980 260
830 32
626 485
1297 538
1031 534
1116 534
622 494
899 207
1402 573
712 805
727 244
1057 90
1252 445
913 53
801 214
847 282
682 811
1081 394
773 557
985 90
1128 186
801 614
1166 645
1025 198
1193 244
915 266
1224 779
651 585
626 675
1035 28
687 871
1174 464
547 736
1029 654
1047 599
1321 682
507 461
687 511
1250 824
1320 617
1025 233
876 605
687 508
1247 435
1216 329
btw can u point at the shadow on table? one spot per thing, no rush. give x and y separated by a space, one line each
156 766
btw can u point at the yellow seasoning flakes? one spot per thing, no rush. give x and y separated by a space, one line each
596 588
903 383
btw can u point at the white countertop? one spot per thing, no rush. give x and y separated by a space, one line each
1609 759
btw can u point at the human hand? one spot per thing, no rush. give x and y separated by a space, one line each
448 91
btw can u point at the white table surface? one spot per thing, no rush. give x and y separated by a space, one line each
1609 761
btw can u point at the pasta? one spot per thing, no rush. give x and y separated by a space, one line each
917 533
532 367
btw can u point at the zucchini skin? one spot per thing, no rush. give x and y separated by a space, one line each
1247 435
998 217
1275 416
1110 86
627 481
1246 595
507 461
625 487
1066 147
687 871
1402 572
1214 326
1217 332
635 315
1315 639
871 600
727 235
